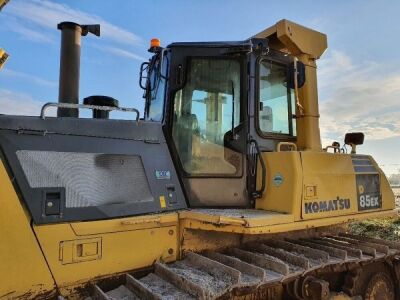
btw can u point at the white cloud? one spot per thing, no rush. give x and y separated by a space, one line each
28 33
357 97
15 103
122 53
31 78
48 14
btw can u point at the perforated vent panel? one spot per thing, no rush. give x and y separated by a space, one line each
89 179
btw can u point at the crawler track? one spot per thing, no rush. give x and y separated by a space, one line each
251 268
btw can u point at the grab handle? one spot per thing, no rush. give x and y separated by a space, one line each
97 107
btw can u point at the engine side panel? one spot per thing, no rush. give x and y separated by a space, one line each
342 184
84 182
83 169
314 185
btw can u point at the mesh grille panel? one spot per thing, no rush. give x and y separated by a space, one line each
89 179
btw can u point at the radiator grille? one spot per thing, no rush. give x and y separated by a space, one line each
89 179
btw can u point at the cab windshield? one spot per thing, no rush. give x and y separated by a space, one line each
205 111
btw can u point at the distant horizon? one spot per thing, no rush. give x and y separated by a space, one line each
358 76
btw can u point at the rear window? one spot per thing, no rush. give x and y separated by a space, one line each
276 100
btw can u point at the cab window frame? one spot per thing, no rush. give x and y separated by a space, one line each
291 109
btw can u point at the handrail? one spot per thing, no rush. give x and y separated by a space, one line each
291 145
77 106
336 149
259 193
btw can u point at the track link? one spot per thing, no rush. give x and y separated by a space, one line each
211 275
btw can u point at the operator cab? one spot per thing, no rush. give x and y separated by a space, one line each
221 103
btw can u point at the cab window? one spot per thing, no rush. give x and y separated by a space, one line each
205 112
156 94
275 100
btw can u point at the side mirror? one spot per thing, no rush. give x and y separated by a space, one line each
354 139
144 67
301 75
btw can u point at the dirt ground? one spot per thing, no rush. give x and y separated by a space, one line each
388 228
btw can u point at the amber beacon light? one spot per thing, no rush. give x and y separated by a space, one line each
155 43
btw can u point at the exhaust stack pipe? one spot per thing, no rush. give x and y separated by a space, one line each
70 64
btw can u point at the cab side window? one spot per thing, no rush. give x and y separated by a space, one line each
275 100
157 91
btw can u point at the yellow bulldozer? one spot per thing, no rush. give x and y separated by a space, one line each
3 57
3 54
221 190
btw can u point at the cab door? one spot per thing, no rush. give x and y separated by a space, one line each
271 108
207 125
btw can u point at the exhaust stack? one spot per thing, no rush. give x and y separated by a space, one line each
70 64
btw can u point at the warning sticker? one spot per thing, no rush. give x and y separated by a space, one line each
163 203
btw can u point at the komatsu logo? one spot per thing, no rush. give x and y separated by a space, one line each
329 205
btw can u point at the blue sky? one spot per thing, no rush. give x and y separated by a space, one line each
359 75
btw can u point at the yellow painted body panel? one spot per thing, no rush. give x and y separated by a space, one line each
79 252
280 196
295 38
297 180
307 117
23 270
330 176
125 224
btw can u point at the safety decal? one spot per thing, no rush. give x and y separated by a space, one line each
163 174
163 203
278 179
